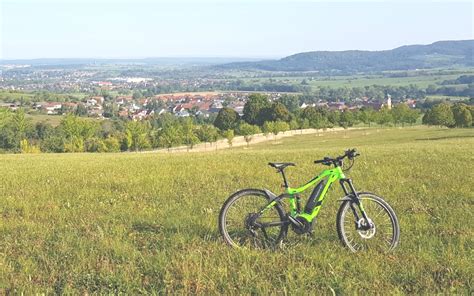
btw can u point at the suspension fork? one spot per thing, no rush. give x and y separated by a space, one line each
355 198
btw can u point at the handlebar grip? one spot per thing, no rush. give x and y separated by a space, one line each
320 161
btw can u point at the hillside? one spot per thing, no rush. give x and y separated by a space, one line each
140 223
438 54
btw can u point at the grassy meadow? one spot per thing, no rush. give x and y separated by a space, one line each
147 222
423 79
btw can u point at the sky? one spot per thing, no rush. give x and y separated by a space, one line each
258 28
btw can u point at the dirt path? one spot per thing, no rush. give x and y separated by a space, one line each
239 141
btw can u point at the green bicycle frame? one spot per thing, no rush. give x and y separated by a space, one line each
332 175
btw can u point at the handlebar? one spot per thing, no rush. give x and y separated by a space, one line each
351 154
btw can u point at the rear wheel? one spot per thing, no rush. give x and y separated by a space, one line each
381 232
241 225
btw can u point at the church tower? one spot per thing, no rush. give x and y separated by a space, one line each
389 101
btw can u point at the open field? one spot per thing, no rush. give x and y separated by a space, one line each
147 222
360 80
54 120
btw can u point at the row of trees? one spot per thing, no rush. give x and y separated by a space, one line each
450 115
259 110
75 134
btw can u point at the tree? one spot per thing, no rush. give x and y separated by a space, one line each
226 119
111 110
189 135
20 124
229 135
317 117
441 114
137 135
268 127
248 130
291 102
76 131
303 123
333 118
280 126
95 144
170 136
17 128
366 115
26 147
42 130
137 95
112 144
253 107
401 114
277 112
383 116
53 141
427 118
207 133
294 124
346 119
412 116
81 110
5 115
462 115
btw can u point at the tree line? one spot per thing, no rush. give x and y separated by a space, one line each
260 115
449 115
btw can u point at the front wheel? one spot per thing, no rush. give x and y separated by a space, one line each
242 224
381 232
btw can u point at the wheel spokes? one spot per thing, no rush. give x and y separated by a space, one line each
378 237
243 227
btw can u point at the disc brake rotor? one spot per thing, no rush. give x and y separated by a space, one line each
365 231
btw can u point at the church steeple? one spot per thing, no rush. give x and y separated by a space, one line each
388 101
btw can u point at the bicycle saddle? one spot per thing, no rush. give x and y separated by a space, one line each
280 165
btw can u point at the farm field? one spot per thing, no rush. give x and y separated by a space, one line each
54 120
362 80
147 222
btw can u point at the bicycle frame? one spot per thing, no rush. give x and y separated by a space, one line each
332 176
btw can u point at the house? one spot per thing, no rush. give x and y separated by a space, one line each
122 100
337 106
178 108
123 113
91 102
51 108
139 115
98 99
96 111
143 101
216 107
9 106
182 113
411 103
304 105
104 83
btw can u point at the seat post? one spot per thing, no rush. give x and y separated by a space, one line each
284 178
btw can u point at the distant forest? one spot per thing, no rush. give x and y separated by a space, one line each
438 54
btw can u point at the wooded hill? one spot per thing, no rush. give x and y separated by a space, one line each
408 57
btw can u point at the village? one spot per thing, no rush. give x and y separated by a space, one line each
203 104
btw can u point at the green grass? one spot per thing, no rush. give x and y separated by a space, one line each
54 120
422 79
105 223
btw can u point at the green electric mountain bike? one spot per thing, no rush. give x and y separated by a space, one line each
256 218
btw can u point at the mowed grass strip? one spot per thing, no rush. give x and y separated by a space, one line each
131 222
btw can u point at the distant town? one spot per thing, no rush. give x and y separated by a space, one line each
106 91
